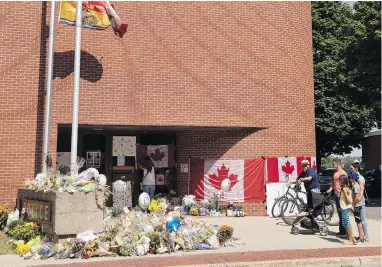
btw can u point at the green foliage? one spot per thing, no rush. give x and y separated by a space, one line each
327 162
13 224
347 100
155 238
24 231
4 211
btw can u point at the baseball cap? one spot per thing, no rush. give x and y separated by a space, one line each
354 175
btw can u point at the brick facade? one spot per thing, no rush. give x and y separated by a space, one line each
225 64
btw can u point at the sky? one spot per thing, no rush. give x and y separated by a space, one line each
357 152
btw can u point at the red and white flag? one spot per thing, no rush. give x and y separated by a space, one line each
162 155
161 179
285 169
246 176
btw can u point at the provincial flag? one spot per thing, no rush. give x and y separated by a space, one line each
98 15
246 177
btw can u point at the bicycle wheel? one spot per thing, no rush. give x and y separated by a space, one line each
328 214
290 209
276 208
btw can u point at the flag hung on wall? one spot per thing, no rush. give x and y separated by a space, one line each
246 176
98 15
285 169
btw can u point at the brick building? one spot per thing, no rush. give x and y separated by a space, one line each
229 80
371 150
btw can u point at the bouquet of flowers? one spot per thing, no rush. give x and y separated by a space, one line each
156 206
194 212
4 211
188 201
24 231
225 233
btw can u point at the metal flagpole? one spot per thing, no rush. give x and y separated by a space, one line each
48 99
76 90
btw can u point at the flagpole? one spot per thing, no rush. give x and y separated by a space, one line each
76 89
48 99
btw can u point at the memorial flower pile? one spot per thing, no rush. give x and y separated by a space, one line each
130 233
210 207
61 181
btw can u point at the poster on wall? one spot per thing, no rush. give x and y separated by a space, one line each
124 146
93 159
63 160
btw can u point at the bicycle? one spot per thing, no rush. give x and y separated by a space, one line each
294 202
279 201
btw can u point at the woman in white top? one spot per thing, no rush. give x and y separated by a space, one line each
148 181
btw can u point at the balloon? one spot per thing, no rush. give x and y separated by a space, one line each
225 185
172 224
91 173
102 179
144 200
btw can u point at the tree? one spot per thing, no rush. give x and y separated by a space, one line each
343 112
364 59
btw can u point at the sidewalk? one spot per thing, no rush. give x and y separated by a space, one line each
266 239
365 256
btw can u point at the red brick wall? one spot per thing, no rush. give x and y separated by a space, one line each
197 64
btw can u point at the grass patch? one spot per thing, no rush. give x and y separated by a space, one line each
4 247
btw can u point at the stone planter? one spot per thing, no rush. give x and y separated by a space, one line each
62 214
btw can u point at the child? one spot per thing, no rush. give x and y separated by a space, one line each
346 201
358 202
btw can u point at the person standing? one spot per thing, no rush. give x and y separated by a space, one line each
346 201
355 168
336 189
358 201
310 179
148 181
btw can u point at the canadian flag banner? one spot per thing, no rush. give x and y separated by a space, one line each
162 155
161 179
285 169
246 176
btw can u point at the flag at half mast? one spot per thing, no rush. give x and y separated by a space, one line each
97 15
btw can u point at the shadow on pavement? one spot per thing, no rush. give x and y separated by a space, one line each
330 239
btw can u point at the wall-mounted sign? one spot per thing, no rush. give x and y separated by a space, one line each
184 168
124 146
38 211
93 158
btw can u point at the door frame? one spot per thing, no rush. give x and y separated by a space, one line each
108 161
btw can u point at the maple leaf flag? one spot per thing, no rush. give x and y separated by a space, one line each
312 163
246 176
162 155
98 15
282 169
161 179
285 169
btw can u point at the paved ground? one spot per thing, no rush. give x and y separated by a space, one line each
265 238
373 211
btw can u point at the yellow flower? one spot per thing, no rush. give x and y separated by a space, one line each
22 249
